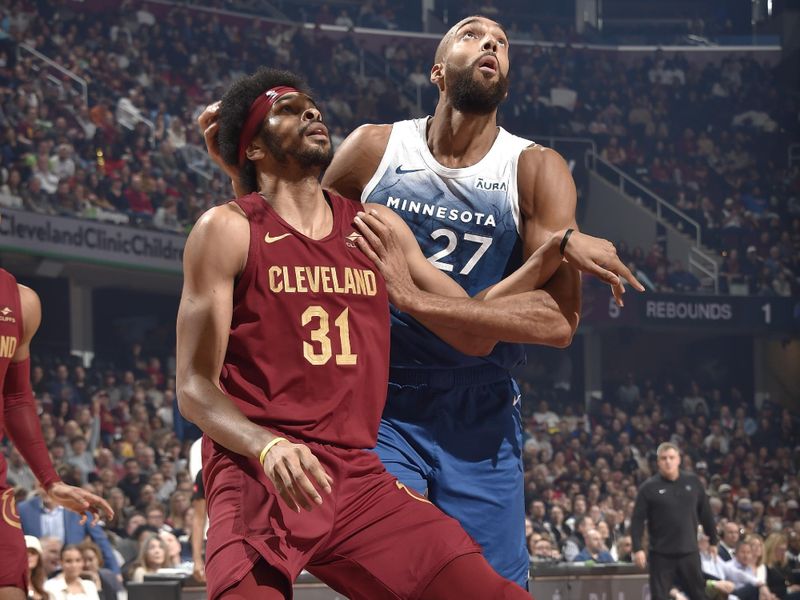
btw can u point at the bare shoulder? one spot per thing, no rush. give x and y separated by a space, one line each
356 160
535 158
31 311
220 221
544 182
221 238
370 138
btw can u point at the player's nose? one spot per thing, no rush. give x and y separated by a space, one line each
312 114
489 43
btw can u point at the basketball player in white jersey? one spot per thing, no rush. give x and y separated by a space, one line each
479 201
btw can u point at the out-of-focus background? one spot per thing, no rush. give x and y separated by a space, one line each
679 120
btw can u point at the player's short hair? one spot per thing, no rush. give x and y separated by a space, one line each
234 109
664 446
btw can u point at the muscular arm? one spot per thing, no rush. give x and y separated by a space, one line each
356 160
204 320
21 420
442 305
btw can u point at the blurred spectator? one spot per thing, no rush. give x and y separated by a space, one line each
594 551
40 517
36 572
69 585
152 557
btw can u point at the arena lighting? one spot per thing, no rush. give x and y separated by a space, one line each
769 8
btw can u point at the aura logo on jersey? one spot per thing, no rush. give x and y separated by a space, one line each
492 186
441 212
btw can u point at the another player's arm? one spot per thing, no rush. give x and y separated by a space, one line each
22 422
204 321
513 310
356 160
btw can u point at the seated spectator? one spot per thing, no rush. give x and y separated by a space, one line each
41 517
152 557
69 585
729 538
36 573
105 581
779 574
542 551
594 551
577 541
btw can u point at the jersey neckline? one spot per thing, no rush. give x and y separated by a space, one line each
335 228
439 168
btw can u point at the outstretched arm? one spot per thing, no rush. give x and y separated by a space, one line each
22 422
204 321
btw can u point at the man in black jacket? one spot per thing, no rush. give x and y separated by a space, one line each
673 503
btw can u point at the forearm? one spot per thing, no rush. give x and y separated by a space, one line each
22 423
548 316
532 275
205 405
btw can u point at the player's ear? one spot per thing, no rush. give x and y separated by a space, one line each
437 75
255 151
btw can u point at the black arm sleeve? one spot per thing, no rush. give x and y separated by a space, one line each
638 519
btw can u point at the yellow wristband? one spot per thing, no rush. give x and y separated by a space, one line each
268 447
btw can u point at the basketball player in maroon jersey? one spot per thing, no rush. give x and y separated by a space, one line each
283 342
20 315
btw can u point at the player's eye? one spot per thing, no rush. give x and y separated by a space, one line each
470 34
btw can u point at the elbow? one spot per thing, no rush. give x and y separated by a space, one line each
478 347
186 398
562 333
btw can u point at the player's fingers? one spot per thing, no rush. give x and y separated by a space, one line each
380 226
618 290
367 249
368 233
629 276
280 477
295 483
303 484
210 114
604 274
312 465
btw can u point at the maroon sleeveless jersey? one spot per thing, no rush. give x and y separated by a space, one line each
308 353
10 337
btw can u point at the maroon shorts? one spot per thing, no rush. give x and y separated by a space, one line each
13 555
372 538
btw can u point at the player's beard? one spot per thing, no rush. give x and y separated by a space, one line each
472 96
307 157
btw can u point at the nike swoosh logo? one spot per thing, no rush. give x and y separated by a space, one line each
401 171
272 240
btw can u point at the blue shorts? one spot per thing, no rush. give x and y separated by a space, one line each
456 436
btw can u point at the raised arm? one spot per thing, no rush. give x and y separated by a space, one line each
204 321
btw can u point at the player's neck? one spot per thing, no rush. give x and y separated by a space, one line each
457 139
300 202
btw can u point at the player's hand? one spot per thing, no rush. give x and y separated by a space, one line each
382 247
209 127
80 501
291 468
725 586
598 257
640 559
712 550
199 570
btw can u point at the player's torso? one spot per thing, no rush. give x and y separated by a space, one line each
466 222
309 340
10 338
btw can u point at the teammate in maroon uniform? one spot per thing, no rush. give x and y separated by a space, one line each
20 315
283 341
